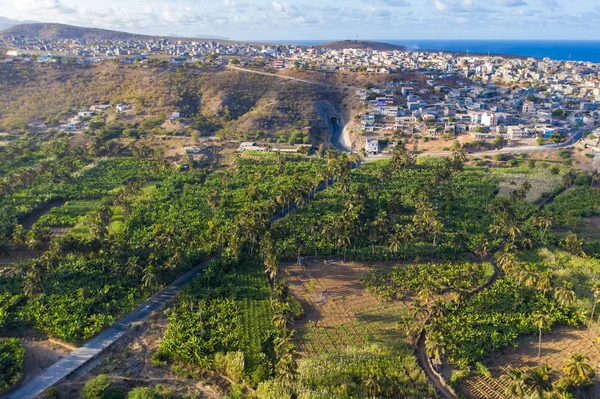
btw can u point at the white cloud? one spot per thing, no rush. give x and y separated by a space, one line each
440 6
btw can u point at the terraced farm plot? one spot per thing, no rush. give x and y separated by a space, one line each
340 312
17 255
541 185
69 214
557 346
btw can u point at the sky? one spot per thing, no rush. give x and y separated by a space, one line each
325 19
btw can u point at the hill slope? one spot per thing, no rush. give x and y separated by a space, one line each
6 23
229 104
49 31
52 31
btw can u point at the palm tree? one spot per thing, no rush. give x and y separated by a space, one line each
272 268
596 291
19 235
31 286
594 177
516 382
372 385
544 223
105 214
279 320
529 276
133 266
395 243
538 381
435 345
565 295
577 369
149 277
541 320
407 324
507 260
545 282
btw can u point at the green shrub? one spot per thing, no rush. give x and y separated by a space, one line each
96 388
482 370
142 393
272 390
51 393
12 357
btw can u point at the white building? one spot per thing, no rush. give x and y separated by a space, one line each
528 107
489 119
372 146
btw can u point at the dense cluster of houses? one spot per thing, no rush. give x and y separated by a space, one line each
486 96
132 51
527 105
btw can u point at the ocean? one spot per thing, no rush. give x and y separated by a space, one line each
556 50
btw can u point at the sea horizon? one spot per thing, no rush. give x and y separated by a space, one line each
563 50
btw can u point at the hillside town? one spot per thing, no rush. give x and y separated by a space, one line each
488 97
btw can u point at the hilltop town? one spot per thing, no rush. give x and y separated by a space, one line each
488 98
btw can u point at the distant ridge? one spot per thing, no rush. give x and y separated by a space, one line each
360 44
53 31
6 23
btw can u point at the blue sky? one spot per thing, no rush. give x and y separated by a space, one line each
325 19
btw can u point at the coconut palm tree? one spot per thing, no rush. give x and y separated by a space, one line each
149 277
279 320
515 379
596 292
19 235
395 243
543 223
594 177
272 269
529 276
372 385
541 320
565 295
506 260
545 281
31 286
577 369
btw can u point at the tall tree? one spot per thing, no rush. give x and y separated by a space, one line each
565 295
540 320
596 294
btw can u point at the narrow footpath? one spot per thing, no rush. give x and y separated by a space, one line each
440 385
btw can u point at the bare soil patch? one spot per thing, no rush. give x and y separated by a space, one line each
589 227
557 345
129 364
339 311
41 354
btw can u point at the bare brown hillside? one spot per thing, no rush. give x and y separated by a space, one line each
229 104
